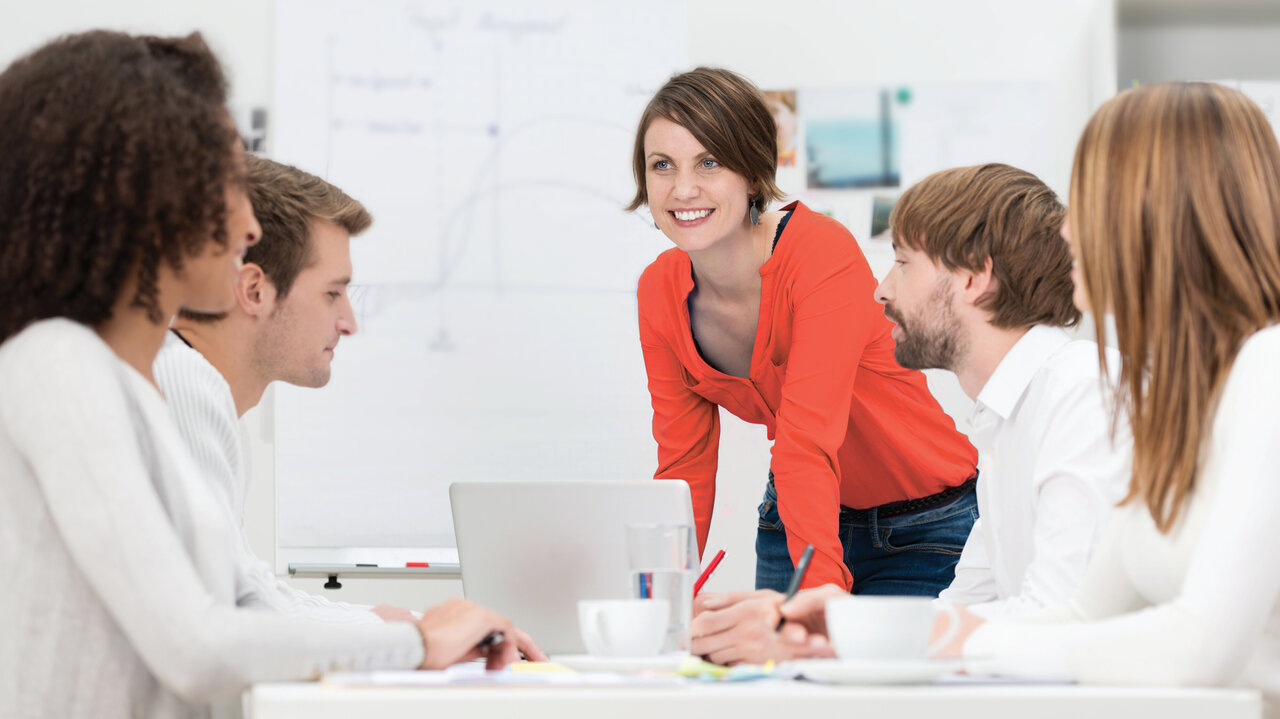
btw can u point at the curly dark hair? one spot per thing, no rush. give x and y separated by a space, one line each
117 152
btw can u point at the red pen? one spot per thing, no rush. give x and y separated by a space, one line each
706 573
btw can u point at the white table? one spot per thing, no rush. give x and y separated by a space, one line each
750 700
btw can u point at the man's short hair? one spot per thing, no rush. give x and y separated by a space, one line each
963 217
288 202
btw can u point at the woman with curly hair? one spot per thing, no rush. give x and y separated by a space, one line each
122 201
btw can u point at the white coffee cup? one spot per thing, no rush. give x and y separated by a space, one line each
887 628
623 627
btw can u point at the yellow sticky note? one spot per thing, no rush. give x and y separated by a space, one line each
695 667
540 668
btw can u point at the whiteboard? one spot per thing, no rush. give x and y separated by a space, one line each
495 292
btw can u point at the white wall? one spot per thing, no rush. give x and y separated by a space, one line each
1165 52
239 31
1068 43
821 42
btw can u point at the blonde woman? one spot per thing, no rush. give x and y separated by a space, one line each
1175 223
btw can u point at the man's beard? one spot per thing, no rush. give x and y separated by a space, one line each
931 340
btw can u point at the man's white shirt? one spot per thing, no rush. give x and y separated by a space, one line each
1050 472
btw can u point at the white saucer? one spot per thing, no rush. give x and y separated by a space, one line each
838 671
621 665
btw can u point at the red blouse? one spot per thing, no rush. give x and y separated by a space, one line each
850 426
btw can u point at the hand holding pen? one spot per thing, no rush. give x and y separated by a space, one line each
458 631
797 578
741 627
706 573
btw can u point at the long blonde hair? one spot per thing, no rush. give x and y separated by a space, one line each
1175 206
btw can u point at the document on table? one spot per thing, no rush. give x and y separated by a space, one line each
474 674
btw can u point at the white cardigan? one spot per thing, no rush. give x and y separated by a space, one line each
1199 605
120 565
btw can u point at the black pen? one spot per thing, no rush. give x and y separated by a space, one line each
796 578
490 639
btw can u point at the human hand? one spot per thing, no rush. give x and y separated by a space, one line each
720 600
954 649
809 607
739 627
526 646
388 613
452 630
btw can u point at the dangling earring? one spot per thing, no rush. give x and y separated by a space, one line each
755 214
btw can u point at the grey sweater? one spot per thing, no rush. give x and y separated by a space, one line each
205 415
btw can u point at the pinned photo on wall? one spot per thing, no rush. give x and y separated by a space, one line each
881 207
851 137
782 104
790 174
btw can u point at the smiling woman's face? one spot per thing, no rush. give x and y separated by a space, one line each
694 199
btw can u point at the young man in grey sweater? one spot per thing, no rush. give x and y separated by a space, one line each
291 311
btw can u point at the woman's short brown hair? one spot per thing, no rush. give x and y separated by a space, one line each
288 202
117 153
967 216
728 116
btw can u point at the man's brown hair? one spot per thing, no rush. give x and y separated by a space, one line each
288 202
965 217
728 116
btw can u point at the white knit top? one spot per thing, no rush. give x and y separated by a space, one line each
1199 605
205 413
120 563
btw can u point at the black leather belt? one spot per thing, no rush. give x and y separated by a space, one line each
906 506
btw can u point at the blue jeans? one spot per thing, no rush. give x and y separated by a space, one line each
912 553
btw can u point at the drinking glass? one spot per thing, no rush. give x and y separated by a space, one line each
663 560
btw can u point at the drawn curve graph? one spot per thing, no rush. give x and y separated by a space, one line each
496 290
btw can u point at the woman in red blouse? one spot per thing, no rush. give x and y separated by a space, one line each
772 316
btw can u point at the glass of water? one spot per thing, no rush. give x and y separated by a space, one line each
663 559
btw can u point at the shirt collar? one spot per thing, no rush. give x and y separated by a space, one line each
1014 373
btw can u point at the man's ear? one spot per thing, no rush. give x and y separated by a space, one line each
978 284
255 293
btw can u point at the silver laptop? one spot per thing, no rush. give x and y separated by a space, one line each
531 550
